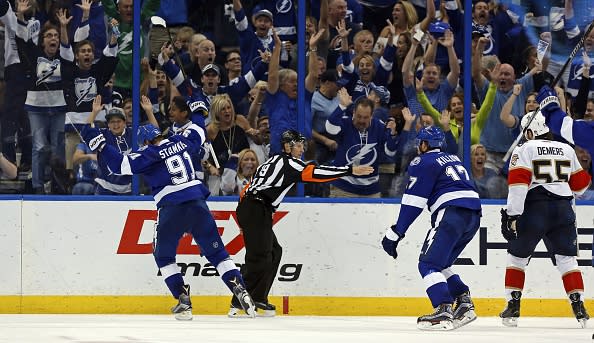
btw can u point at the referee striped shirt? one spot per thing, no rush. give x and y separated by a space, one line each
273 179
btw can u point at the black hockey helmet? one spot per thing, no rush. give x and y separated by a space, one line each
291 137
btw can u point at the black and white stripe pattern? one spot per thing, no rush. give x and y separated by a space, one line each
273 178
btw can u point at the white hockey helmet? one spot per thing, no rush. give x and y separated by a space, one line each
537 125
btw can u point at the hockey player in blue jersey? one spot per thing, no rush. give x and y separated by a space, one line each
439 181
578 132
181 203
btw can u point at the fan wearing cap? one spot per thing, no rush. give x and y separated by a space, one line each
199 97
368 73
254 37
119 137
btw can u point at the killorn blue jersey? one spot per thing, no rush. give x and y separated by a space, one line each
436 180
167 167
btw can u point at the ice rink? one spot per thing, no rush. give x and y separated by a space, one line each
302 329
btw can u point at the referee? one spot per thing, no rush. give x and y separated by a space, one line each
259 199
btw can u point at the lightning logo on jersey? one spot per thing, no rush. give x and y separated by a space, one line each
365 154
48 71
85 89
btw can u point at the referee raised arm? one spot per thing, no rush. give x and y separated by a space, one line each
259 199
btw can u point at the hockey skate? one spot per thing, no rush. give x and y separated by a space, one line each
183 309
509 316
245 301
578 309
265 309
440 320
463 310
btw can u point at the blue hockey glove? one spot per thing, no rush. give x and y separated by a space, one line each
391 240
94 138
508 226
548 100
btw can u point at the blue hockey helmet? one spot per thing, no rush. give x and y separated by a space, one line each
147 132
433 135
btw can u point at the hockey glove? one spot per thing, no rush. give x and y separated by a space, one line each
391 240
94 138
548 100
508 225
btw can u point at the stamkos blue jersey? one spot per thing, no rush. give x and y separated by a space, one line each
436 180
167 168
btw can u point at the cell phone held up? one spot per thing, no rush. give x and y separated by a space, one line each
419 36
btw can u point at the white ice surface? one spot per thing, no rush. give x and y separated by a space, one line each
286 329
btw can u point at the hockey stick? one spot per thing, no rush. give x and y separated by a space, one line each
158 21
574 52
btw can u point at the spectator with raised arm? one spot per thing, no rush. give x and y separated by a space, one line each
45 101
118 136
252 38
361 140
281 97
496 137
438 92
89 23
510 119
199 97
406 19
359 80
455 107
123 13
337 10
82 81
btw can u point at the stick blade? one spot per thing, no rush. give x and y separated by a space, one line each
158 21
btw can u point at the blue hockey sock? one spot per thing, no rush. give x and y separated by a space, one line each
456 286
175 284
437 289
173 279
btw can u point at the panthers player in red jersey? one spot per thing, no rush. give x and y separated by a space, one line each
543 177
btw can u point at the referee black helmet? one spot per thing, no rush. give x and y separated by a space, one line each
291 137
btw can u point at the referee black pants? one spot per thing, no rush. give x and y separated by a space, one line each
262 251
